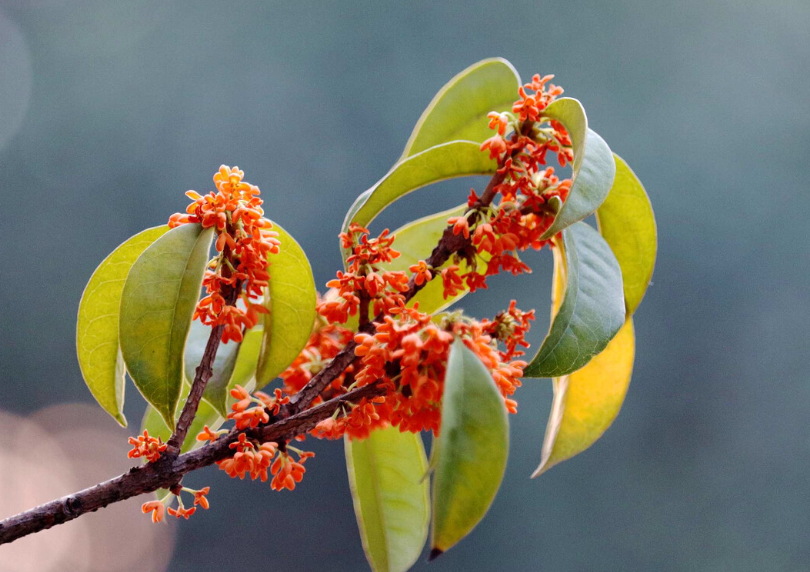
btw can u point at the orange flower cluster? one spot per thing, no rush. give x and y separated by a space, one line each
256 461
529 195
159 510
147 447
323 345
263 405
244 240
408 354
363 278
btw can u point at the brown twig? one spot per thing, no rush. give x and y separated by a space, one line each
167 471
203 373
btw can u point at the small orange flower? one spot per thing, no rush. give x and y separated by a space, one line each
145 446
182 512
200 499
207 435
422 273
157 508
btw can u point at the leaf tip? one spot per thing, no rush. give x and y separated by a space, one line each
434 554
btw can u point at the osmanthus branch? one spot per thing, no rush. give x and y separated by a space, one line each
168 471
296 418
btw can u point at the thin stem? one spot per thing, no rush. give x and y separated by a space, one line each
168 471
204 372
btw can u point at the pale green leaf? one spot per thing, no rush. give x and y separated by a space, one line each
592 308
473 447
244 372
444 161
587 401
291 299
459 110
415 241
593 168
390 496
158 301
97 324
627 222
216 389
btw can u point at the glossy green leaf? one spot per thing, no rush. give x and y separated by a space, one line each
444 161
291 299
459 110
592 309
593 168
157 304
415 241
587 401
222 369
97 324
627 222
472 451
390 496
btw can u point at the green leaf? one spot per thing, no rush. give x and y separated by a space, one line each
627 222
291 299
158 301
587 401
593 168
216 390
390 496
415 241
592 309
459 110
472 448
444 161
97 325
244 372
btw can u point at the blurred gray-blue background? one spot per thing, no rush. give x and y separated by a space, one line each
111 109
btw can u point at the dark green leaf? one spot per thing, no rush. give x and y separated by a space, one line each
592 308
472 448
593 168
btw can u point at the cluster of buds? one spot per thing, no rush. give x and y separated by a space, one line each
159 509
408 355
262 404
364 283
253 460
147 447
530 194
244 240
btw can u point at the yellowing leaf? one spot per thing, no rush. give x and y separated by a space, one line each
97 325
593 168
158 301
459 110
587 401
291 299
627 222
472 448
390 493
